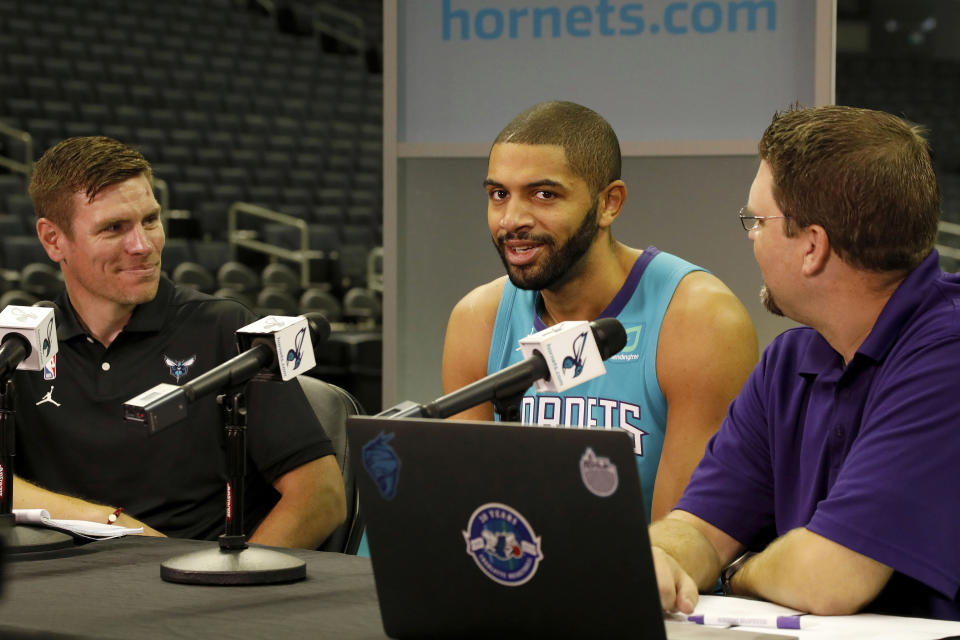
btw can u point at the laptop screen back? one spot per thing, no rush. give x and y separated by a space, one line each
478 528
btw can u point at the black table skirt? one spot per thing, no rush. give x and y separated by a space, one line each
112 589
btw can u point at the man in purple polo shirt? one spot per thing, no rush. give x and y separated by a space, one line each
838 463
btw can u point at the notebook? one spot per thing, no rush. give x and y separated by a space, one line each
479 529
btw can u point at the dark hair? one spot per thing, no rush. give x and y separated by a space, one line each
85 165
590 145
865 176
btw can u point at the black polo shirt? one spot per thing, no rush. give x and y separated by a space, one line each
71 436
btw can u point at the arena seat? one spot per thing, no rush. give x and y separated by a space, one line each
17 297
238 276
232 294
175 252
194 276
41 279
19 251
363 305
281 275
332 405
275 301
317 299
10 225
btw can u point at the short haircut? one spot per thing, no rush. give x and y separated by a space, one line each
588 141
865 176
85 165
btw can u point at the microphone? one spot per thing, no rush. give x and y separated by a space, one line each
274 344
291 351
28 339
558 358
572 353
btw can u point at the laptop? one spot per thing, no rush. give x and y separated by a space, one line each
479 528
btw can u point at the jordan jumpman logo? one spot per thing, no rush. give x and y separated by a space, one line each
48 398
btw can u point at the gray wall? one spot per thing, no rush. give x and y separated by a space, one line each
684 205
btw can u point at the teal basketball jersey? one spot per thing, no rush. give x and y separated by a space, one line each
628 396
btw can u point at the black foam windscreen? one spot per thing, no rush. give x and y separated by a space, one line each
610 336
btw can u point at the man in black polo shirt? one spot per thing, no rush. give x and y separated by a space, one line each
122 329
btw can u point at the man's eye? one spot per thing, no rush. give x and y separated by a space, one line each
498 194
546 195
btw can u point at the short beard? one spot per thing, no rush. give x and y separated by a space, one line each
766 297
560 262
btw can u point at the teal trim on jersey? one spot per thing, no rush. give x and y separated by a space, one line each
629 395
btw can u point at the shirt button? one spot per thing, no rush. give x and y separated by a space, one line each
838 431
105 366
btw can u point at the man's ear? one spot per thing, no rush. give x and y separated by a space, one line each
611 201
816 251
52 238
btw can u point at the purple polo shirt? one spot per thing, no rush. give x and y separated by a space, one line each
867 455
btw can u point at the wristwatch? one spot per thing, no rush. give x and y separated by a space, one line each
726 574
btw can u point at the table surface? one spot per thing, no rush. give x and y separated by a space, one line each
113 589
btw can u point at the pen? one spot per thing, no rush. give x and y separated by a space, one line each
770 622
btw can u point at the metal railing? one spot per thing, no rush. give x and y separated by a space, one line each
162 190
951 228
246 238
26 165
340 25
375 269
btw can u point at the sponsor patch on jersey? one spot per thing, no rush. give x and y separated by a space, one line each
599 475
503 544
383 464
50 371
179 368
629 352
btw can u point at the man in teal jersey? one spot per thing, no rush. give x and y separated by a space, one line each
554 189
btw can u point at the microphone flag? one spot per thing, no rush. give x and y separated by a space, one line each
36 326
570 351
291 337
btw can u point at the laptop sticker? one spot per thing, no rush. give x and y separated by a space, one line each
599 474
382 463
503 544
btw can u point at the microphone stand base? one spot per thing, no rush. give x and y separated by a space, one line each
253 565
25 539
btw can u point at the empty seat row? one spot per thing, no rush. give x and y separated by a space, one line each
278 290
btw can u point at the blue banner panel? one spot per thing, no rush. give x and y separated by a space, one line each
657 70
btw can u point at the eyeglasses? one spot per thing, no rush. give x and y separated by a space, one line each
751 222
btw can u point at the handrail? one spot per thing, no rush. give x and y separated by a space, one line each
241 237
25 167
951 228
325 14
163 190
375 274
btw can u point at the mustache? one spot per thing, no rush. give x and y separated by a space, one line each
523 235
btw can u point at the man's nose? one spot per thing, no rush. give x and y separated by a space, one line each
138 241
516 215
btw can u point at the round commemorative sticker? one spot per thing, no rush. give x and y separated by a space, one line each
599 475
503 544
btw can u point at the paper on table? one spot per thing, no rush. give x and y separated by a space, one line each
83 528
732 605
863 626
